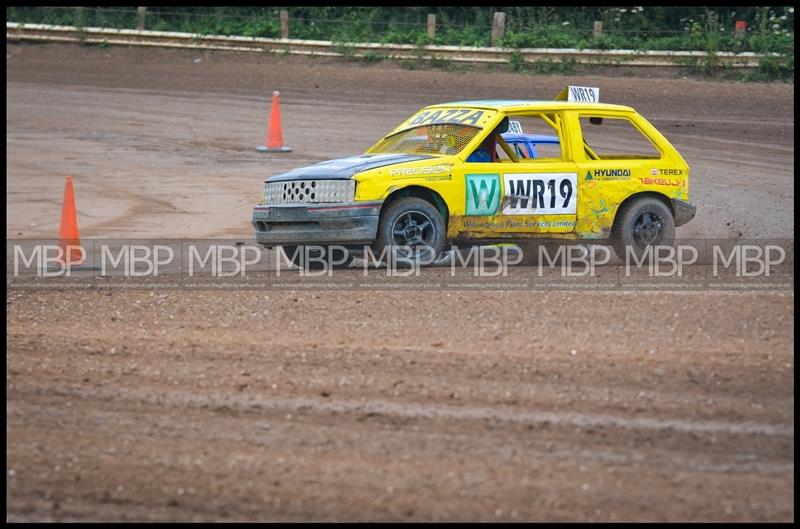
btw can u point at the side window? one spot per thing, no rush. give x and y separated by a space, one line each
521 150
615 139
532 138
547 149
501 155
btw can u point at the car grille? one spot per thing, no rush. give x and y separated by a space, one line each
308 191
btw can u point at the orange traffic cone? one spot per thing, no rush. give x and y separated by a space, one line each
274 135
68 234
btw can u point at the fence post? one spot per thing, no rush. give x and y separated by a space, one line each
80 24
598 29
431 27
498 26
79 17
284 24
141 12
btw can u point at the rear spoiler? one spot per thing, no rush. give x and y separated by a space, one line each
583 94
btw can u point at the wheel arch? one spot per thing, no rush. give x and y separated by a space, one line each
643 194
425 193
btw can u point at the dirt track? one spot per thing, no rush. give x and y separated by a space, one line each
254 405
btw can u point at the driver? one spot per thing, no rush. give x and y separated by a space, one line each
487 150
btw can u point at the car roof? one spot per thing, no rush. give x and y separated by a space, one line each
507 105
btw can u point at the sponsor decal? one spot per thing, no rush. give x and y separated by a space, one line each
602 208
483 194
500 224
461 116
540 194
415 171
662 181
654 172
438 178
605 175
670 172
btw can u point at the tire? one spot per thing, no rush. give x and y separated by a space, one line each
408 226
297 254
640 223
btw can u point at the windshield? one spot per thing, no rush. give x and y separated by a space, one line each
442 139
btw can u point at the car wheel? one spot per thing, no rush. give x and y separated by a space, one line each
297 255
642 223
413 228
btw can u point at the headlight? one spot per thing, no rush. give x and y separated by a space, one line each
309 191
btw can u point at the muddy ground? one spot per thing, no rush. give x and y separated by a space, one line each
376 405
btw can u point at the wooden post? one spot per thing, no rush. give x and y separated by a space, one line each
80 24
284 24
431 27
498 27
141 12
598 29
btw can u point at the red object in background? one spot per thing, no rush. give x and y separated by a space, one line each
274 141
275 134
741 26
68 232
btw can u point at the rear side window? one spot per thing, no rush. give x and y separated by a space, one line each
615 139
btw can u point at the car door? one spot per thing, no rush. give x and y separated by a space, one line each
614 159
515 197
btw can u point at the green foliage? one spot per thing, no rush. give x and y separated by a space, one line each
262 27
463 36
408 64
516 63
771 68
443 64
680 28
545 37
372 56
345 50
550 67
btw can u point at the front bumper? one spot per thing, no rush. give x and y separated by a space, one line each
350 223
684 211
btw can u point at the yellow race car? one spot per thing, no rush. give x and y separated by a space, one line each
489 171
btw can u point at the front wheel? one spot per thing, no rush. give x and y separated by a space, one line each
411 229
640 224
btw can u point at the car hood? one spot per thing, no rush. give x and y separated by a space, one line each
344 168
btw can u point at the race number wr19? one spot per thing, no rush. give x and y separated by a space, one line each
540 194
587 94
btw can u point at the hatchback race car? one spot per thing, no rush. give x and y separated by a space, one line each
489 171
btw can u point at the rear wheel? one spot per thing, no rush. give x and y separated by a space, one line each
413 228
642 223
